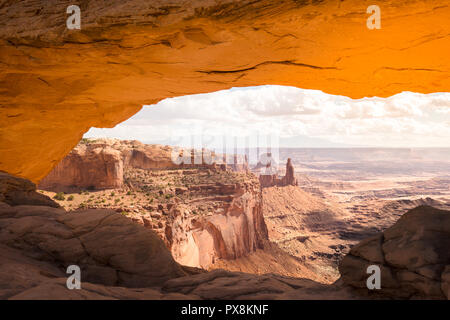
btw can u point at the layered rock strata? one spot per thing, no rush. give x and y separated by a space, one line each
100 164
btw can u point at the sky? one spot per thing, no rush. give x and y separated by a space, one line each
296 117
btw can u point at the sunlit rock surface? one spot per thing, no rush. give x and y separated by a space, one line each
56 83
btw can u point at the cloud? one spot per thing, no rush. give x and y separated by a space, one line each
404 120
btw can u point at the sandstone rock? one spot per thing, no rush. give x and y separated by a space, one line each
147 221
110 248
156 215
101 163
150 157
24 278
289 178
221 284
446 282
272 180
55 289
88 166
195 47
16 191
231 231
413 256
268 180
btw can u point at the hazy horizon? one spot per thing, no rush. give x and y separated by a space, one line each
299 118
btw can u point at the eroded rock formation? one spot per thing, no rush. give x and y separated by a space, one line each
96 166
57 83
14 191
289 178
235 228
271 180
100 164
117 256
203 212
413 256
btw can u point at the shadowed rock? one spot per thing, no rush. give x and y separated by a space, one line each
413 256
15 191
109 248
116 255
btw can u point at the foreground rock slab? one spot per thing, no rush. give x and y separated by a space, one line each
221 284
109 248
413 256
118 256
121 259
14 191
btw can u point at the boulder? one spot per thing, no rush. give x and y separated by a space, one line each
413 256
109 248
15 191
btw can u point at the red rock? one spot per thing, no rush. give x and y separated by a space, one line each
272 180
86 167
289 179
15 191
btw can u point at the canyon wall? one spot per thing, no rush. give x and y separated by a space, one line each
232 227
237 230
100 164
98 167
57 83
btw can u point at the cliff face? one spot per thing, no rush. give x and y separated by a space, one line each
208 220
100 164
87 167
202 212
57 83
236 229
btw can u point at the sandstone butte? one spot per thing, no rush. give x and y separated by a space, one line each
56 83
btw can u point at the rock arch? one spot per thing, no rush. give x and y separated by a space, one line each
57 83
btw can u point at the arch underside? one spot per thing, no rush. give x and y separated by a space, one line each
56 83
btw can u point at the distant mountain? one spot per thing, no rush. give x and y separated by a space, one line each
311 142
299 141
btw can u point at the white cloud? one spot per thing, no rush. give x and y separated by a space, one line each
404 120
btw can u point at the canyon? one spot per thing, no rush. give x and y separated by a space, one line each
122 259
143 240
202 212
225 217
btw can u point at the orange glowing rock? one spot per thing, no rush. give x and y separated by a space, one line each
57 83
